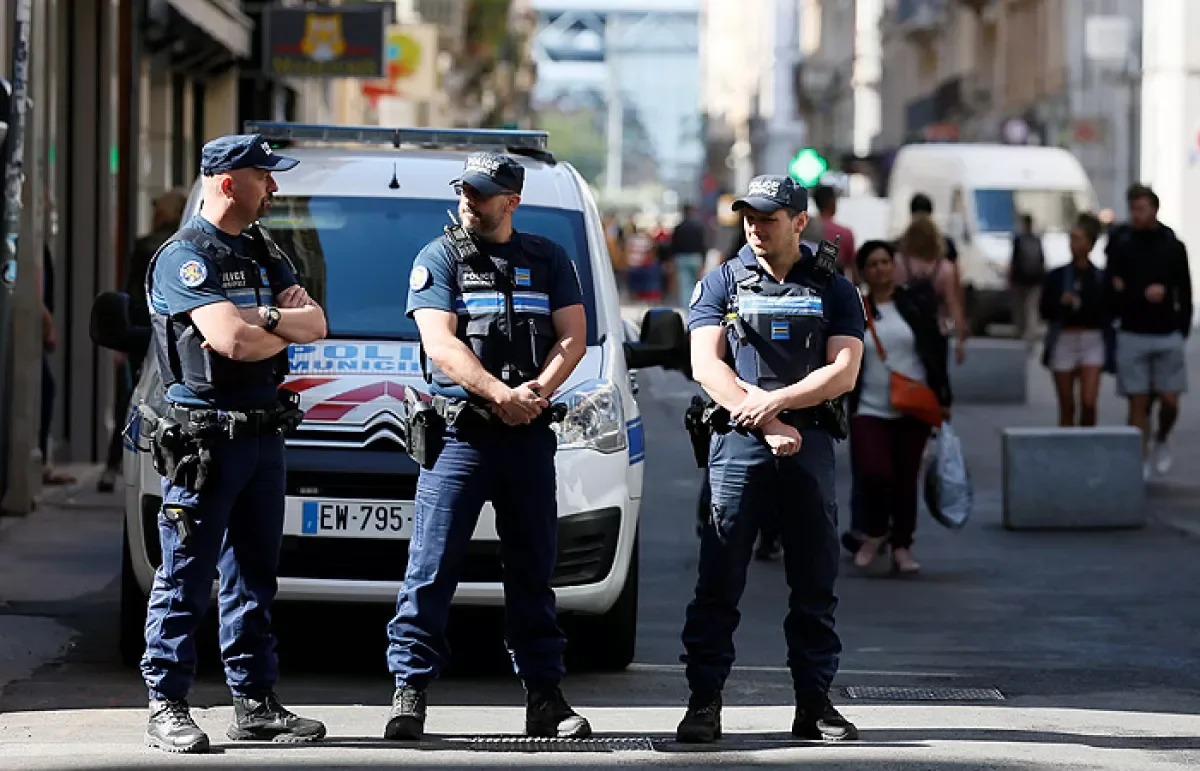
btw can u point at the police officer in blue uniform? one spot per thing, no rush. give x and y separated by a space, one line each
224 305
776 333
502 323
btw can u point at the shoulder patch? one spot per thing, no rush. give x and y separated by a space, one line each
192 273
696 293
420 278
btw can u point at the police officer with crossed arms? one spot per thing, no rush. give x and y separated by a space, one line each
500 315
224 306
776 333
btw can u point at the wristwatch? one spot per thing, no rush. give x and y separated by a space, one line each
273 316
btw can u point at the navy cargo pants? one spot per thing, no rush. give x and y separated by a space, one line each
514 469
748 481
237 529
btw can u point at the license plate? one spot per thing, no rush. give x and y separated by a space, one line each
351 519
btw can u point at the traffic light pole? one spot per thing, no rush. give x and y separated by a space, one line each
13 104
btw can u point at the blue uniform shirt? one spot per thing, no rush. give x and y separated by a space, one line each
185 279
433 282
712 300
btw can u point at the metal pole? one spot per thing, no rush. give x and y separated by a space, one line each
10 219
616 110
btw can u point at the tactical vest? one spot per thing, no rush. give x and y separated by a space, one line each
177 341
503 310
784 324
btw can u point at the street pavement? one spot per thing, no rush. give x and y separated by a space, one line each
1087 638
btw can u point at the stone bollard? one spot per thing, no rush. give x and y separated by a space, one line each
1073 478
994 372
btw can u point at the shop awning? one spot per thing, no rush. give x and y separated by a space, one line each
218 19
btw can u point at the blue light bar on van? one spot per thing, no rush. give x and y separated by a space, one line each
380 135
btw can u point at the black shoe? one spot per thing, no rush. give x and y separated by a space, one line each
817 719
172 729
547 714
852 541
769 551
702 723
406 721
269 721
107 481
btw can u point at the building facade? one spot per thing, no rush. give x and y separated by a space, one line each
1059 72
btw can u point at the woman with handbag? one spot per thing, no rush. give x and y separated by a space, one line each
903 392
1080 337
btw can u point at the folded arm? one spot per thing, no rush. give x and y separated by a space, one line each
438 335
710 370
229 334
838 377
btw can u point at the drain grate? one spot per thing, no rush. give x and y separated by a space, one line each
524 744
891 693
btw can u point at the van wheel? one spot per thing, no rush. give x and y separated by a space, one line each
606 642
132 624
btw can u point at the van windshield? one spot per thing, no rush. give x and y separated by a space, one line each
998 211
353 255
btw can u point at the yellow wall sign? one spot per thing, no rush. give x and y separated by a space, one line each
347 43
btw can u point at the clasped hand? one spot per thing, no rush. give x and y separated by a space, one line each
760 410
519 406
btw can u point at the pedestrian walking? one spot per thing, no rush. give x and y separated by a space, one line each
1150 290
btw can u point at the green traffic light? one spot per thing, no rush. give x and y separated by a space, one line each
807 167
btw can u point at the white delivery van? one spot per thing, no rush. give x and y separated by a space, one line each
352 216
979 192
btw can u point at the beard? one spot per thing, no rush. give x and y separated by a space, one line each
478 222
264 206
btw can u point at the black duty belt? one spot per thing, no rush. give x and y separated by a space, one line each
455 410
232 423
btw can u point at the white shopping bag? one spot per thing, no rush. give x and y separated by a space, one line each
945 484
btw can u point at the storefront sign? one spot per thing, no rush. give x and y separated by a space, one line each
344 43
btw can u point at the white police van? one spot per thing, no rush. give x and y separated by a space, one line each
352 216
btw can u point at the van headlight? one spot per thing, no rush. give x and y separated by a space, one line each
595 419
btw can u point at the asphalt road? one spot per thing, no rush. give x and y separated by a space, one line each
1088 637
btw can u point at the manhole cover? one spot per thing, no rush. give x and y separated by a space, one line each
524 744
889 693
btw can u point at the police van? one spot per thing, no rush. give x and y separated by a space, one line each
352 216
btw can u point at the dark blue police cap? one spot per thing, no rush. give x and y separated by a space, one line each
241 151
492 174
769 193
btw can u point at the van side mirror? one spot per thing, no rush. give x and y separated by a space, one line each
663 343
111 328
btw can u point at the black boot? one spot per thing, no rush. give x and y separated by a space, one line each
817 719
172 729
406 721
267 720
547 714
702 723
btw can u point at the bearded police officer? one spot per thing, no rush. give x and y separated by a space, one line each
224 306
501 319
776 339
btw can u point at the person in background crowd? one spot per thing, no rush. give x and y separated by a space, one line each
1150 291
49 344
1078 326
921 205
688 245
921 263
168 212
888 445
825 198
614 236
1026 272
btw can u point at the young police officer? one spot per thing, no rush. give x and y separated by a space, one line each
224 306
775 333
501 318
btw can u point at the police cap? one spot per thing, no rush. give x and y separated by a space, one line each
241 151
492 174
770 193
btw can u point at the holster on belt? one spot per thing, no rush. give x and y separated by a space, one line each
699 431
